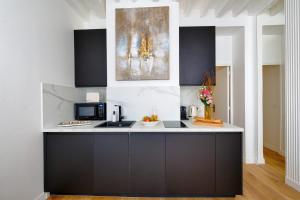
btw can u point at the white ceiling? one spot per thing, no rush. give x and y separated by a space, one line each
86 8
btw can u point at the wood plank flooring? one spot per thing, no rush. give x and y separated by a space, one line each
261 182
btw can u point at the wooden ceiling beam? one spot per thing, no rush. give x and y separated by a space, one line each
224 7
277 8
237 10
188 6
79 7
204 7
260 8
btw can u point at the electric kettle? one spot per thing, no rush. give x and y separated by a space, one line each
193 111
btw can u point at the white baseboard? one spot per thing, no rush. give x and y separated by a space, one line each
293 184
250 160
42 196
261 160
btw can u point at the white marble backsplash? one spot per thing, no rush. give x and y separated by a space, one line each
189 96
137 102
58 102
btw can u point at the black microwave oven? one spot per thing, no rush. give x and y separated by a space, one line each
90 111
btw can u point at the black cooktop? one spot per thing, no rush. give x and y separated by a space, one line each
174 124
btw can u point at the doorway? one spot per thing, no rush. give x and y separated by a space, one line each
273 132
222 94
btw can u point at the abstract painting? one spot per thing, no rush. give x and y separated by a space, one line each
142 43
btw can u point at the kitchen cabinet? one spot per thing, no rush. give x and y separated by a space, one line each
229 164
190 164
68 163
143 163
90 58
197 54
147 152
111 164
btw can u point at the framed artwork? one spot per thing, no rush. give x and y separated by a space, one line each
142 44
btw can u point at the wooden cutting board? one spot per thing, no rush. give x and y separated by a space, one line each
208 122
198 123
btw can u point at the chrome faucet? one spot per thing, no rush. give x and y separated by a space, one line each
118 111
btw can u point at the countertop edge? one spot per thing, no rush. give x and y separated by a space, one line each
140 128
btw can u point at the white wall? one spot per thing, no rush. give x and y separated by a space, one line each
137 100
36 40
223 50
238 78
272 49
173 42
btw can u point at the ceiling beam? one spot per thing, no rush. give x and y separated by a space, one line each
224 7
204 6
188 5
102 4
79 8
277 8
240 7
260 8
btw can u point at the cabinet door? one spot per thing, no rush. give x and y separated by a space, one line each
190 164
90 58
229 164
111 164
68 163
147 151
197 54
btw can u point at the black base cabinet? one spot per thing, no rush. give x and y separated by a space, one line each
190 164
111 164
69 163
147 153
143 164
229 164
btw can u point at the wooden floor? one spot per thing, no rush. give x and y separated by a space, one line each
261 182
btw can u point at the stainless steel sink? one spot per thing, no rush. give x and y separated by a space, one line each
110 124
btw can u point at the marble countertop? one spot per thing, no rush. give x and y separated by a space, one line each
139 127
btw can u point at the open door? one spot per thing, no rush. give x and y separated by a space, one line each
222 94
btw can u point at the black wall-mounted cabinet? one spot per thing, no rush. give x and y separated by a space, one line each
90 58
143 164
197 54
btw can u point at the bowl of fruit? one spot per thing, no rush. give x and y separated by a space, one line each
150 120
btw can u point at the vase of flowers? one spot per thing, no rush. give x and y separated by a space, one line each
206 97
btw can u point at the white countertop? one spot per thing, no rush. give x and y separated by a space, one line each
139 127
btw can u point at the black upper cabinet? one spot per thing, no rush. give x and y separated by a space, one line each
147 152
111 164
90 58
69 163
197 54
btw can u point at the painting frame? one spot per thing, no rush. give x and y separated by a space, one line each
142 43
